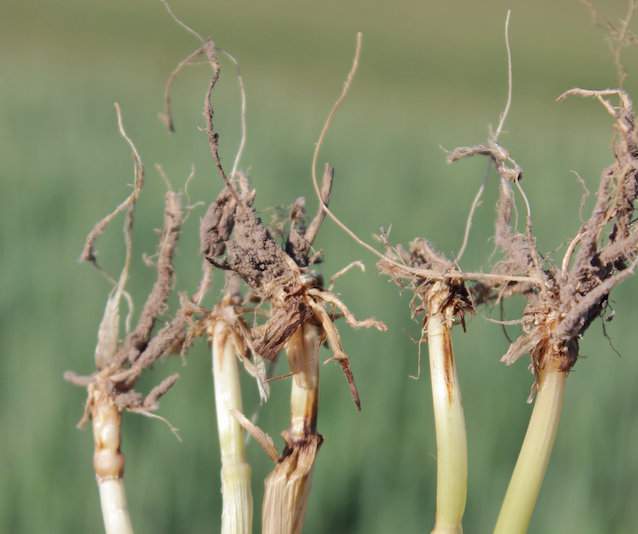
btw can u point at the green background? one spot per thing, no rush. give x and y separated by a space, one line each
432 75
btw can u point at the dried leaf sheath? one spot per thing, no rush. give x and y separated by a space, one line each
288 486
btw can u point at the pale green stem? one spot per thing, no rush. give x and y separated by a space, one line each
451 440
525 484
237 510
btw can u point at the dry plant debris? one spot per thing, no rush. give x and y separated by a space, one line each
234 238
449 291
120 362
563 300
289 304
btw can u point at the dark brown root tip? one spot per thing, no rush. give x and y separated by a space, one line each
354 392
167 121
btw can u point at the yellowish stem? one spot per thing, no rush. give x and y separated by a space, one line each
303 360
288 486
451 440
237 510
525 484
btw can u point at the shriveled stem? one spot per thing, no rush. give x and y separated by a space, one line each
525 484
288 486
237 510
108 462
451 441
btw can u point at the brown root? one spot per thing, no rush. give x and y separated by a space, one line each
155 304
119 362
167 116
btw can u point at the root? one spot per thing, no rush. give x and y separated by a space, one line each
350 318
619 36
324 195
338 354
181 22
88 252
508 102
155 303
209 111
355 264
167 116
119 363
242 120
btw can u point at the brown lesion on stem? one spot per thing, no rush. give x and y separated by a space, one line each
450 299
449 304
108 460
448 364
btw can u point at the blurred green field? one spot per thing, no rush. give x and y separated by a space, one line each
432 75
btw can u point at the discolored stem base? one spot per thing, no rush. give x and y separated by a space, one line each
108 461
451 440
288 486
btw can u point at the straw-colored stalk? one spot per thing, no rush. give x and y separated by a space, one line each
237 508
527 478
451 441
288 486
108 462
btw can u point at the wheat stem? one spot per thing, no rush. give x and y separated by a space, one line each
114 507
288 486
525 484
108 461
237 509
451 441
